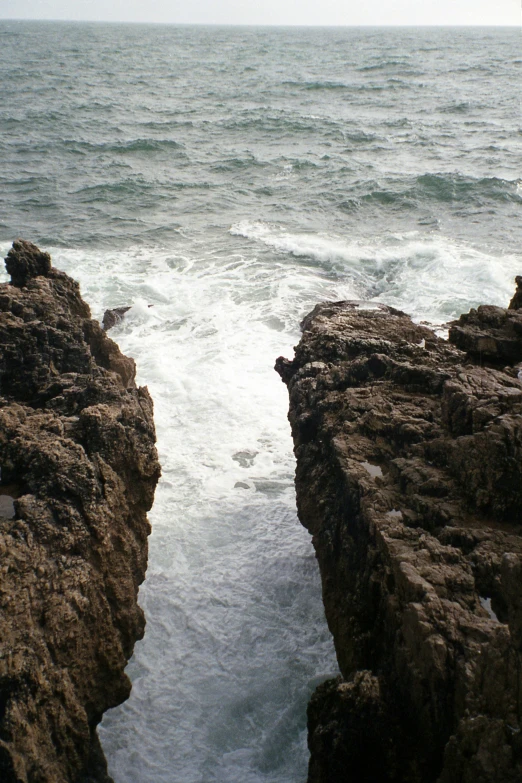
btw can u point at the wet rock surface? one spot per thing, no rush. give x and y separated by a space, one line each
113 317
78 474
409 477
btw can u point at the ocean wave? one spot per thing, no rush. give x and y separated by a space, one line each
237 163
363 136
349 205
269 123
316 85
396 83
396 65
351 87
457 187
458 107
431 278
408 194
123 187
389 198
163 125
299 164
317 249
378 66
139 188
144 145
471 68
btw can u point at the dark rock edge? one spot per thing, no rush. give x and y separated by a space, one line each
78 473
409 477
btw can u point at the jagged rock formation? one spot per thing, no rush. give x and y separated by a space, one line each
409 477
78 473
113 317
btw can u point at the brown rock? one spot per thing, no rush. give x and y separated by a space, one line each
516 302
490 334
113 317
346 721
25 261
409 477
77 458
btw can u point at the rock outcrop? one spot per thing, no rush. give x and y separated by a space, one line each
409 477
78 474
113 317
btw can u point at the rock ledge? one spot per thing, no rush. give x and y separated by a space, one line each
78 474
409 477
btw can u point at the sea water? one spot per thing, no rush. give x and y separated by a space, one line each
221 181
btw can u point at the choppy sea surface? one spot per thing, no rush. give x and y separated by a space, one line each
222 181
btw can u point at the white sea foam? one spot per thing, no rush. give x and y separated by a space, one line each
235 639
431 278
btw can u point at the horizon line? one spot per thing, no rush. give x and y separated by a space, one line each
252 24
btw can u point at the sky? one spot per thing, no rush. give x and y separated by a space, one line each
272 12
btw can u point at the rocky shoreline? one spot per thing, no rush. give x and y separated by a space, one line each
78 474
409 477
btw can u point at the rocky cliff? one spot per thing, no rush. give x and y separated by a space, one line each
78 473
409 477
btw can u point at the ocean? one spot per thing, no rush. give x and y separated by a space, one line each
222 181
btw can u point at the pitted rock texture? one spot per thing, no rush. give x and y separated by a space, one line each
409 477
78 474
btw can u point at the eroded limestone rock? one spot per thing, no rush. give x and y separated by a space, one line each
77 457
409 477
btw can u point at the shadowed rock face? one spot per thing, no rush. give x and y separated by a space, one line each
409 477
113 317
79 469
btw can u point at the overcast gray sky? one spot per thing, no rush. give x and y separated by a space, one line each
283 12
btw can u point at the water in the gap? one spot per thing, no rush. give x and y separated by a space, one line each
231 178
